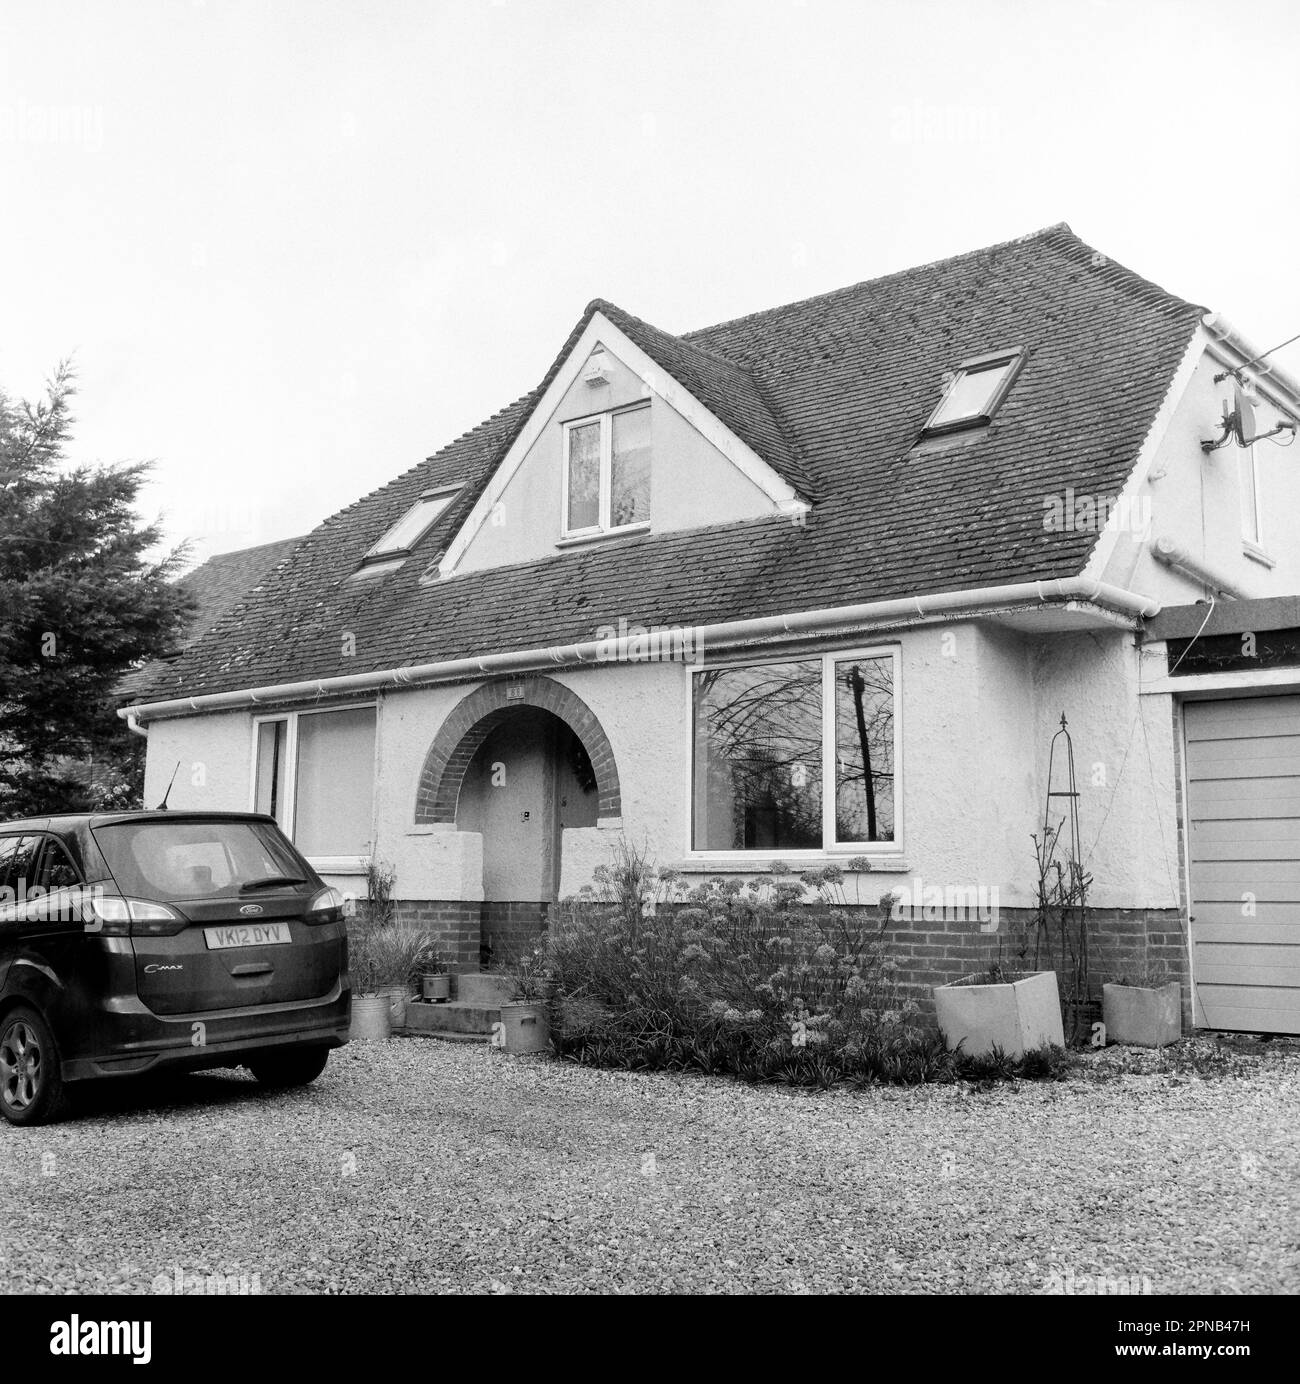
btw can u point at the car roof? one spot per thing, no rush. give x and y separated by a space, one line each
75 821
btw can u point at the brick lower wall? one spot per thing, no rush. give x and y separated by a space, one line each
452 924
929 951
470 935
508 928
1121 942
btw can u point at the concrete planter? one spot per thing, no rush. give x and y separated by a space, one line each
525 1028
1143 1018
1016 1017
372 1019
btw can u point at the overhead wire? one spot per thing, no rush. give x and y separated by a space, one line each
1196 636
1236 370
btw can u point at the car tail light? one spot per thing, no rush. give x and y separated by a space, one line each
118 917
325 907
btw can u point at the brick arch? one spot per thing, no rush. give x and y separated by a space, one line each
474 718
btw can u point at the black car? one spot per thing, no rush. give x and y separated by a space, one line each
132 942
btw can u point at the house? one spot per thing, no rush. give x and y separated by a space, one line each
818 585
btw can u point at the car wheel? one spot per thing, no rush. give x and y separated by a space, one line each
31 1078
291 1067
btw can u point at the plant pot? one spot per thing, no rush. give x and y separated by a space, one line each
372 1019
398 996
436 988
524 1027
1015 1017
1143 1018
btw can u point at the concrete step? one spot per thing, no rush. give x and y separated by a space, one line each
444 1035
455 1017
485 988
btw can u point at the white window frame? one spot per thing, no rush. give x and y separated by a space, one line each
1013 357
332 864
602 525
831 850
1254 542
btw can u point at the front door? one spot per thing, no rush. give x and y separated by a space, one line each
508 796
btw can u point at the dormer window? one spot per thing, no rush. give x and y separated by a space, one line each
607 472
411 527
975 391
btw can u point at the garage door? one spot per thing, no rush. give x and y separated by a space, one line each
1243 789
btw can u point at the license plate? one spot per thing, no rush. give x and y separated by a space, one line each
246 935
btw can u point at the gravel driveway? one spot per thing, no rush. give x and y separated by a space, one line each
422 1166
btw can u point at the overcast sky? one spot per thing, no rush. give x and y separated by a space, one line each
296 247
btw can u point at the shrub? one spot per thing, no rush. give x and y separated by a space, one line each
386 955
1050 1062
1150 977
380 881
525 962
771 981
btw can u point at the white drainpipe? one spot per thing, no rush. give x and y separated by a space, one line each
909 609
1265 372
1166 551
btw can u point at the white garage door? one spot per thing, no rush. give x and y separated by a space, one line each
1243 789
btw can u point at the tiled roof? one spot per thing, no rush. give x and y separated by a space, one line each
727 389
832 392
215 586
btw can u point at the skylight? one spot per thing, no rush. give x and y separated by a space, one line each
412 526
975 392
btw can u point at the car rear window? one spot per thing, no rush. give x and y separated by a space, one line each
194 860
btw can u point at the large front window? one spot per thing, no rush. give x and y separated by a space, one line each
607 472
315 774
770 737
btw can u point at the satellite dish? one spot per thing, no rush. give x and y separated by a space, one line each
1243 416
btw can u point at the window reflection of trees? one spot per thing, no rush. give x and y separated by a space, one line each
762 727
759 747
864 750
584 476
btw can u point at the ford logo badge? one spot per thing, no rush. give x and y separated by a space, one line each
251 908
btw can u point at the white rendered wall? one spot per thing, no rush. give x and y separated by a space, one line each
979 705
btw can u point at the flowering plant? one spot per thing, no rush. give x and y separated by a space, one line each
730 974
525 964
